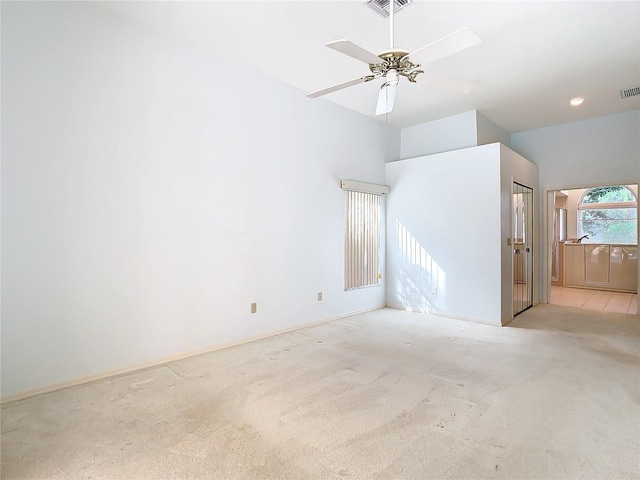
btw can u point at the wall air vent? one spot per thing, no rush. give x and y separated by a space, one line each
381 7
630 92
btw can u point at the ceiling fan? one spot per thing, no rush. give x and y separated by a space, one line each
394 63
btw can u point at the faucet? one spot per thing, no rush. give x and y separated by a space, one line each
580 239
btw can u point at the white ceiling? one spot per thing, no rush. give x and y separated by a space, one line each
534 57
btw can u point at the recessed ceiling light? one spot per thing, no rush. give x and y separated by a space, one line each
576 101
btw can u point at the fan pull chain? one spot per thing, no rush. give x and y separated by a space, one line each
386 119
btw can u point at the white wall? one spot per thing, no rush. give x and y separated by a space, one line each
573 196
464 130
443 135
600 151
515 168
443 231
150 194
488 132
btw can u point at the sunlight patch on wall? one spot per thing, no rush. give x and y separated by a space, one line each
421 283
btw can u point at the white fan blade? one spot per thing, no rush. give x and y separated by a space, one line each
386 99
448 45
354 51
337 87
447 83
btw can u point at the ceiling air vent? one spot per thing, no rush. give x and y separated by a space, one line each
630 92
381 7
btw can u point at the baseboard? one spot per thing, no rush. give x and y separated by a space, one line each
164 361
447 315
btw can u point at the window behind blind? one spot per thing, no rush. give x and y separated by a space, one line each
362 240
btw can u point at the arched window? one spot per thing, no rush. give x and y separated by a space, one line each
608 215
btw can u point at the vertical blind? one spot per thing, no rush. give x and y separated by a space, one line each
362 240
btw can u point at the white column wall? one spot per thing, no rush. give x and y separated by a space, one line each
443 135
489 132
443 232
150 195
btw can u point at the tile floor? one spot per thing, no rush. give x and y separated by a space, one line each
595 299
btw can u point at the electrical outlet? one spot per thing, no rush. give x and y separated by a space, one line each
434 290
254 307
319 296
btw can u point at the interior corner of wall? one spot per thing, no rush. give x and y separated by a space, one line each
477 127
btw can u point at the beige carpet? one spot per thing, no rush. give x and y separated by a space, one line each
386 394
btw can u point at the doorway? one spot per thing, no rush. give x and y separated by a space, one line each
593 244
522 248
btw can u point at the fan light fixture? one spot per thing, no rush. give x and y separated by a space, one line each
392 77
576 101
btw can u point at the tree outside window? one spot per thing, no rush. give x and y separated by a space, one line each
609 215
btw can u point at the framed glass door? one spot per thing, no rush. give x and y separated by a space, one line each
522 243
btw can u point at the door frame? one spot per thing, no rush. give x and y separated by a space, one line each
547 233
533 235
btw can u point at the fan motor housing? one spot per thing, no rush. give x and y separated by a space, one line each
395 59
395 52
